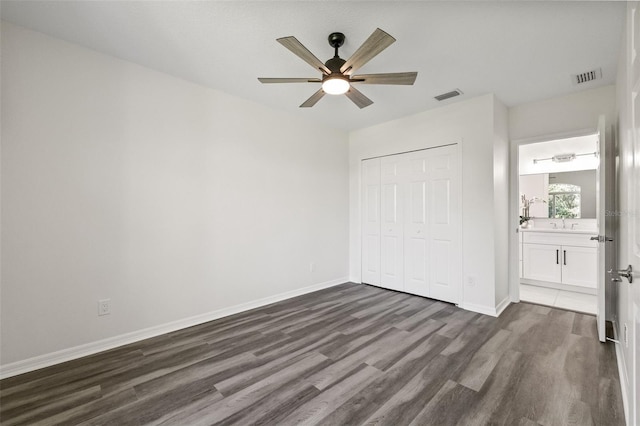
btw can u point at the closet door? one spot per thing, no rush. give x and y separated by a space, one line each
443 218
391 227
416 252
371 221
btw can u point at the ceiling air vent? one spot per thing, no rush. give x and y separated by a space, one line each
585 77
448 95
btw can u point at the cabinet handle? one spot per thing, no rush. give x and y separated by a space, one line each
557 259
565 256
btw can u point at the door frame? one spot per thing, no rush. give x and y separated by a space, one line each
514 200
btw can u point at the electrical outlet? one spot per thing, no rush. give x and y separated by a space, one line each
470 280
625 336
104 307
312 267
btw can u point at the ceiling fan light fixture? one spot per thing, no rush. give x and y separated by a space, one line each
335 85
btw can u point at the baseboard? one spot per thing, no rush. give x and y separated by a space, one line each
503 305
622 372
487 310
47 360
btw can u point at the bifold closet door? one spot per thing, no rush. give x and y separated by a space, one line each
371 221
410 223
444 219
392 217
416 248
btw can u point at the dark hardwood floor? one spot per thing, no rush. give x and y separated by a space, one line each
348 355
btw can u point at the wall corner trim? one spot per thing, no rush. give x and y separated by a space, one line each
47 360
487 310
503 305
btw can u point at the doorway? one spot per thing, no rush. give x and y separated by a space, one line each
558 215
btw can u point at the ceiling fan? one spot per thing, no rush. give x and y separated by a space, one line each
337 74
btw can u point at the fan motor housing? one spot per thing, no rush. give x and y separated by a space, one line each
334 64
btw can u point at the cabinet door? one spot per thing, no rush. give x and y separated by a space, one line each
579 266
542 262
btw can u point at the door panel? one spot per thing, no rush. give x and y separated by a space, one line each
633 12
443 219
441 275
416 254
371 221
392 229
601 210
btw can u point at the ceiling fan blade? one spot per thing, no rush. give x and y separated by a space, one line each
303 53
289 80
358 98
313 99
407 78
376 43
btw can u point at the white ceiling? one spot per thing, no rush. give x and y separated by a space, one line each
521 51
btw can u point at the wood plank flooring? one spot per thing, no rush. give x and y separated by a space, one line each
348 355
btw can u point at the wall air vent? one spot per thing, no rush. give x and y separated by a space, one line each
585 77
451 94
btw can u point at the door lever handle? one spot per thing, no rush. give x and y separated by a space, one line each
627 273
601 238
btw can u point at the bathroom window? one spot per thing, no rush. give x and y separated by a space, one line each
564 200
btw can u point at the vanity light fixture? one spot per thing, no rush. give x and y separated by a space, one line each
564 158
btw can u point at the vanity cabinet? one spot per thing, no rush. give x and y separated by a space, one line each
569 259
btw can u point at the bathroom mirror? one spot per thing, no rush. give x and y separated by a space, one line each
557 195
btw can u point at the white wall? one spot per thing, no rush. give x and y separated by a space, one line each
471 124
577 111
554 118
171 199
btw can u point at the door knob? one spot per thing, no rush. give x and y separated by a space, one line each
627 273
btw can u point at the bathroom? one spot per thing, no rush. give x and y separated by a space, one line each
558 187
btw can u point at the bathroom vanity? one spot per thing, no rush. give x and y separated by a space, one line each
559 258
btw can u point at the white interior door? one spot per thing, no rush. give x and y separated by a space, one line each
371 221
602 229
417 256
634 253
391 227
443 220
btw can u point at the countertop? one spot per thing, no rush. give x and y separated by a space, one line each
565 231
